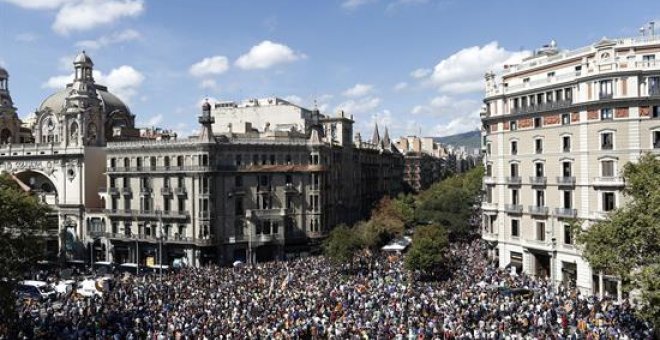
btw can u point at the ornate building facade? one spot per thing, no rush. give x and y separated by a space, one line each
557 130
263 179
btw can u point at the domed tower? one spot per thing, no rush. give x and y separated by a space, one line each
82 120
9 122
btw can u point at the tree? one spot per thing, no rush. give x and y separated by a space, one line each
428 248
627 242
342 244
388 220
22 218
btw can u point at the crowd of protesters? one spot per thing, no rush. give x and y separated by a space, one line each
374 298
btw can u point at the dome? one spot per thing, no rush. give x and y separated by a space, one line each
109 102
83 58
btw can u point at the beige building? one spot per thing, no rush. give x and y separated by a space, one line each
425 161
557 130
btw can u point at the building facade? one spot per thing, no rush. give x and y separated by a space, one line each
264 179
557 131
425 162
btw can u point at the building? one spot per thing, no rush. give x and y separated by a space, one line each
557 131
425 161
263 179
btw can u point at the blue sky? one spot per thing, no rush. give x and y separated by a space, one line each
412 65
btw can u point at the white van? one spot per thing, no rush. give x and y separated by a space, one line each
35 290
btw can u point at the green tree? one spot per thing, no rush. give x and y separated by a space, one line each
627 242
388 220
342 244
22 218
427 252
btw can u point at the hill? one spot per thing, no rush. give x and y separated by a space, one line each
470 140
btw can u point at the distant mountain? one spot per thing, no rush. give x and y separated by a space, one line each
470 140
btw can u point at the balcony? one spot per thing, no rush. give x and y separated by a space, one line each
566 181
166 191
489 236
126 191
513 208
175 214
542 107
110 191
538 210
487 206
264 188
566 212
265 213
610 181
539 244
602 96
119 212
514 180
489 180
537 180
180 191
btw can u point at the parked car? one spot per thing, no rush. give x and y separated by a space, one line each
38 290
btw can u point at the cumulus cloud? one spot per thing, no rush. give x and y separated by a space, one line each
38 4
464 123
362 105
123 81
463 71
353 4
444 105
114 38
210 66
400 86
294 99
359 90
267 54
87 14
420 73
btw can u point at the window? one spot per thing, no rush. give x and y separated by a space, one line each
655 112
540 231
515 228
565 119
272 159
538 145
488 149
489 194
539 98
514 196
263 180
566 143
605 89
181 204
513 125
606 113
568 234
514 148
255 159
551 74
489 170
568 94
608 201
540 198
238 160
525 80
238 181
539 169
656 139
288 159
568 199
548 97
566 169
578 68
607 141
537 122
288 179
238 207
264 159
654 86
514 170
607 168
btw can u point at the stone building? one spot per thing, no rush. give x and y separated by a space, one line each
425 161
558 129
263 179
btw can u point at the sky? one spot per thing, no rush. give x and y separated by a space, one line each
415 66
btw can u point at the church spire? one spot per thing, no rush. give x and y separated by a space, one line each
386 138
375 138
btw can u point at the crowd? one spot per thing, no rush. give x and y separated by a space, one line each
311 298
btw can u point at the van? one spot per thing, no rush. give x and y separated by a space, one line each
38 290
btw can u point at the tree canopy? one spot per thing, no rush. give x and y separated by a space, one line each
342 244
428 248
627 242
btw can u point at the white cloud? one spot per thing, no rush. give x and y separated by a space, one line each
362 105
420 73
359 90
123 81
210 66
86 14
26 37
353 4
267 54
444 105
115 38
400 86
463 71
294 99
464 123
209 84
